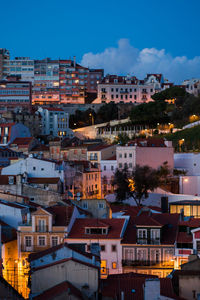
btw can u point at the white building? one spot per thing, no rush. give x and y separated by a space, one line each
108 233
128 89
189 162
192 86
34 167
14 213
23 66
55 121
108 168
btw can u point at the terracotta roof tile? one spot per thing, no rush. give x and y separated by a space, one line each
114 231
183 237
58 290
22 141
44 180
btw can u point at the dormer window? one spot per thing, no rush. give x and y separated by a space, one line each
96 230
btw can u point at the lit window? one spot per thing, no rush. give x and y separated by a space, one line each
114 265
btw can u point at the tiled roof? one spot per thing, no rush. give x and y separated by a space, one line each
40 148
111 158
98 147
59 289
43 180
114 231
149 142
192 222
132 285
4 179
36 255
146 219
53 108
168 222
22 141
62 214
183 237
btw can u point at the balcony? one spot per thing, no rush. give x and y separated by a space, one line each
27 248
44 228
147 241
147 263
124 92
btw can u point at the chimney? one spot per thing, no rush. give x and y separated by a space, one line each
74 61
164 204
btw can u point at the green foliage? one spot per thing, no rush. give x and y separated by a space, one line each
121 139
191 138
149 113
170 93
106 113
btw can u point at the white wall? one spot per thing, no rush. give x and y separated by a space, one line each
188 161
34 168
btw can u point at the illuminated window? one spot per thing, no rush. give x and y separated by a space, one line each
114 265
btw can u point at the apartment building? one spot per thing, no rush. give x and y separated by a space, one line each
46 75
72 82
128 89
22 67
108 233
64 272
94 78
108 168
83 179
192 86
15 95
148 244
151 152
4 58
55 121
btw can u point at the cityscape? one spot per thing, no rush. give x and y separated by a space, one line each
99 152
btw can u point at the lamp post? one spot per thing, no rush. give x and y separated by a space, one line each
92 117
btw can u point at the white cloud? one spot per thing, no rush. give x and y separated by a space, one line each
126 59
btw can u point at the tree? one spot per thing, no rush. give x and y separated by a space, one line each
135 184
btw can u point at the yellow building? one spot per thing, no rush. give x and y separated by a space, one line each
46 229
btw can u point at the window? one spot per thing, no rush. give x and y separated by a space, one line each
41 241
114 248
114 265
103 248
120 165
130 165
112 168
42 169
85 205
142 233
120 155
34 168
104 167
101 205
135 97
28 241
88 248
54 241
125 155
130 154
112 96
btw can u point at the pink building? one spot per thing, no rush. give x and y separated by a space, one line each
151 152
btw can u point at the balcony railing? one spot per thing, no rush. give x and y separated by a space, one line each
44 228
126 262
147 241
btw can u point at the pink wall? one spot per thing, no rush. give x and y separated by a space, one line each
155 156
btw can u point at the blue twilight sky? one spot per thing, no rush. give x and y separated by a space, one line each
121 36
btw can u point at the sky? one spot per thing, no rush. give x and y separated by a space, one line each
122 37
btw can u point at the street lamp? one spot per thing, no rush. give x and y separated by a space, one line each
91 115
